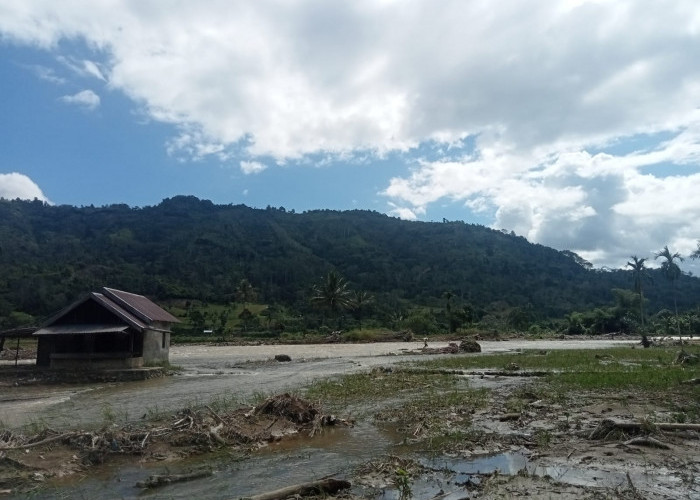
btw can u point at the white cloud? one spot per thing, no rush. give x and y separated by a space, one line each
47 74
15 185
83 67
252 167
551 93
86 99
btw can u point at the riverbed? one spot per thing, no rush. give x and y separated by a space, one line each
215 371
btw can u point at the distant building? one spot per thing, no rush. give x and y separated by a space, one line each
109 329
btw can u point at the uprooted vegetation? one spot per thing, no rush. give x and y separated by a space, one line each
47 453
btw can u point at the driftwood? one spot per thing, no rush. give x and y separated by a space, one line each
39 443
157 480
447 371
610 424
324 486
648 441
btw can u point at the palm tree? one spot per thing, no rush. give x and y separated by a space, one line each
639 271
696 252
672 272
360 299
332 293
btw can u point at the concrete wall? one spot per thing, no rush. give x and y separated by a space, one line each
156 347
86 363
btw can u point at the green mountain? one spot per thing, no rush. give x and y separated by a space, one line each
186 248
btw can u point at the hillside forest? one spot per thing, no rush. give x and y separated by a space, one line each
232 270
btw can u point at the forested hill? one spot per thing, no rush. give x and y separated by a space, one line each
193 249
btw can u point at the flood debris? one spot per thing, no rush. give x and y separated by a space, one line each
322 487
612 426
186 432
685 358
450 348
469 346
284 405
158 480
647 441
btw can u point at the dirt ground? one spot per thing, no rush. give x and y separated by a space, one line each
561 450
521 443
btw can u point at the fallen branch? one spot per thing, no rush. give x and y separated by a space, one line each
156 480
39 443
648 441
610 424
323 486
214 414
214 433
478 373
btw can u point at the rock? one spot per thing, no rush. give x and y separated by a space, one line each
469 346
282 357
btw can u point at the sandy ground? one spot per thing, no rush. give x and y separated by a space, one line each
213 371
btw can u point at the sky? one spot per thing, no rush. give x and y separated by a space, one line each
573 123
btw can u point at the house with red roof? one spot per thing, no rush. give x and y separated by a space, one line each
106 329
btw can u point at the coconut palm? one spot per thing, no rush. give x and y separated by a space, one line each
696 252
672 272
640 274
360 299
332 293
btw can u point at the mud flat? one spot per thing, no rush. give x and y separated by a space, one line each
456 426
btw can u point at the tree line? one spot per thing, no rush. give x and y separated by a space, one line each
428 276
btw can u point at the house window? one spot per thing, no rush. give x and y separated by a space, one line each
163 343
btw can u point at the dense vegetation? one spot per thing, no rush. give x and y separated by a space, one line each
226 265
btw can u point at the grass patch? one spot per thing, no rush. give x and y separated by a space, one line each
640 377
614 368
434 410
374 386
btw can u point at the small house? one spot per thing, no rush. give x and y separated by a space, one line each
106 329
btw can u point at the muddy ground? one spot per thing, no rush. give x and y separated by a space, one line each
515 440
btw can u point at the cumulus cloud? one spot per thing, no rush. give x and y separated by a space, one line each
85 99
252 167
534 105
15 185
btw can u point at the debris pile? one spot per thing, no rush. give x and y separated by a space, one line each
189 431
469 346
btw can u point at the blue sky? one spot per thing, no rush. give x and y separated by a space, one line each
572 123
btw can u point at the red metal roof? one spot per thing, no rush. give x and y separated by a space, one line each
139 306
134 310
